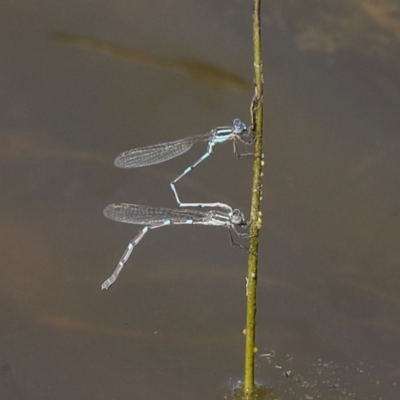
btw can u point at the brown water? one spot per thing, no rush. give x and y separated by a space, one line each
171 326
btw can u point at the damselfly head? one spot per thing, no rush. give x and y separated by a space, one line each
239 127
237 218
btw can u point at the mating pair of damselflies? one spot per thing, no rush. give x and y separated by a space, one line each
220 214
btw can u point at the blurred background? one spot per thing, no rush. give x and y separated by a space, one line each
171 326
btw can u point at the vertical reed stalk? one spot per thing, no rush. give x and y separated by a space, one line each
255 215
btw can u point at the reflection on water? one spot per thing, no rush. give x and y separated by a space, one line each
371 27
210 74
23 147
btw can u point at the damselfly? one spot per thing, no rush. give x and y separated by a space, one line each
155 154
157 217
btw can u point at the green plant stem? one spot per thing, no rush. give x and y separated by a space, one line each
255 215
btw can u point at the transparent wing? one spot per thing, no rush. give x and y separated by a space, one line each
146 215
158 153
